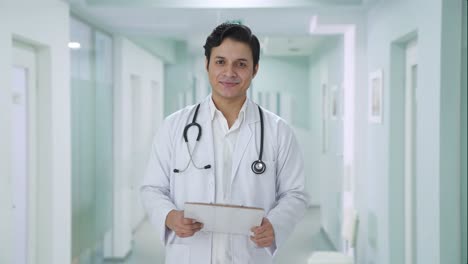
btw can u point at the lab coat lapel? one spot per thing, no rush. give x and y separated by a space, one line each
207 136
245 135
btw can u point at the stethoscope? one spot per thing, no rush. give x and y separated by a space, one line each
258 166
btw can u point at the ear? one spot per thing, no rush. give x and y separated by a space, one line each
255 71
206 63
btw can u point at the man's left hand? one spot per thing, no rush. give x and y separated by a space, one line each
264 235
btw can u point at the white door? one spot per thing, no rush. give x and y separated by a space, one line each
411 73
23 89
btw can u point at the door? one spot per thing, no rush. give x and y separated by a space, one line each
23 135
411 77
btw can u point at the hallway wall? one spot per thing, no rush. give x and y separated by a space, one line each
179 76
326 68
132 151
45 27
389 23
463 135
286 75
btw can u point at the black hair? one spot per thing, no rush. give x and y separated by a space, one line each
236 32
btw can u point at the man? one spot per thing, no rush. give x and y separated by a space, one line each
232 133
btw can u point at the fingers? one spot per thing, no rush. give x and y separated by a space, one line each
188 221
263 242
191 223
183 227
264 239
187 233
263 235
258 230
187 227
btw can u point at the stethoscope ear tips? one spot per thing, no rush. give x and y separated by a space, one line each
258 167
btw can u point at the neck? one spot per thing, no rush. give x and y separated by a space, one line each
229 108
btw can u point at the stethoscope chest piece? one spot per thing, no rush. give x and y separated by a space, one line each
258 167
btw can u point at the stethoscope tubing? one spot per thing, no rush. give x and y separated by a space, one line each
258 166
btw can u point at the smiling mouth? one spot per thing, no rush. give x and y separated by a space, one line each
229 84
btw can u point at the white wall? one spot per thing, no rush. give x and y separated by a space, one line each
46 27
436 235
327 68
463 135
270 79
131 60
312 177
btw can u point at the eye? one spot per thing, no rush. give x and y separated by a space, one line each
242 64
219 62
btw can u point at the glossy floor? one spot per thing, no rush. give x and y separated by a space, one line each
306 238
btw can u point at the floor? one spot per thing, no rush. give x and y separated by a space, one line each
306 238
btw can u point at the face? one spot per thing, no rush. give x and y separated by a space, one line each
231 70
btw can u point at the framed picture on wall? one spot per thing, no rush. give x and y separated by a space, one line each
375 100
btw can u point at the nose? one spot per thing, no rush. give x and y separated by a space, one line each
229 70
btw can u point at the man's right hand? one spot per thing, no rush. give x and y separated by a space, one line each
183 227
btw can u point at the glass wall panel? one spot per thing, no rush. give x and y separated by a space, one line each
92 163
103 133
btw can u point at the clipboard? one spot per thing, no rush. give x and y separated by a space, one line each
224 218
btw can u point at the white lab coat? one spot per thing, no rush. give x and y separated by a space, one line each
279 190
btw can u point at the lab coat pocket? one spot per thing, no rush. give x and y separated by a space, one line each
177 254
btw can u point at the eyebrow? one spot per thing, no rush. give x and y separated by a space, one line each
241 59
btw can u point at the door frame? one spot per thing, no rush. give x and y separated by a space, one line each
410 151
396 168
25 56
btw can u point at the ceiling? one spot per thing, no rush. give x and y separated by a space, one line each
283 26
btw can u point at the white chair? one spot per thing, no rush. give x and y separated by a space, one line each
348 232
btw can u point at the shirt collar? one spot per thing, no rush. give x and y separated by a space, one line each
241 115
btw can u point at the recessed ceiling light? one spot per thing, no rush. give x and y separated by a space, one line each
74 45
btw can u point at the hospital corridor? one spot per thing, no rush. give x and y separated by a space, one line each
372 92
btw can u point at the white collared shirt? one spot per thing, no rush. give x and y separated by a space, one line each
224 139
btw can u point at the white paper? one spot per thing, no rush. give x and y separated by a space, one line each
229 219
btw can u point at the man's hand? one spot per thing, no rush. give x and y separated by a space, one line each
183 227
264 235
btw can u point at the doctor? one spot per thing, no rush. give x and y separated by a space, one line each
226 150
